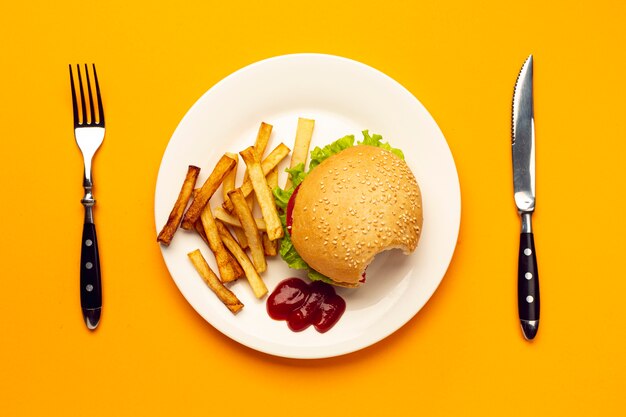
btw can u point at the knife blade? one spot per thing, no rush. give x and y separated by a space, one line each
523 145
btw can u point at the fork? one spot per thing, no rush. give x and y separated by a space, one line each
89 134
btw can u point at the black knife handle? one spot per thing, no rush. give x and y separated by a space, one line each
527 279
90 283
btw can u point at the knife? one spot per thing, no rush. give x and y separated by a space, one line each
523 132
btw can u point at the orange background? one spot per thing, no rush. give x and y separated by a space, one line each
463 354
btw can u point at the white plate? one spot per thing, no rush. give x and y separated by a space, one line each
344 97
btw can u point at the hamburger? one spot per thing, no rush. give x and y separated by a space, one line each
354 202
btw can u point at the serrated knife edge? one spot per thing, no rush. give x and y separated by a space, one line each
516 95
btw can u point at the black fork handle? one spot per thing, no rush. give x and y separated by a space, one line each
90 279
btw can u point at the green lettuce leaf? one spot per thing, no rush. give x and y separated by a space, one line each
377 140
296 174
318 155
316 276
281 197
290 255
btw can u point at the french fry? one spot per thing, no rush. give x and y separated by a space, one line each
227 273
272 178
223 167
304 132
200 229
270 247
235 265
167 233
249 227
262 138
258 286
229 180
241 238
231 220
225 295
228 185
272 160
274 229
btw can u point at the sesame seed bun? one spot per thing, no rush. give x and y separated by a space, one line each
354 205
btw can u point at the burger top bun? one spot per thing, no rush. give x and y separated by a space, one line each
354 205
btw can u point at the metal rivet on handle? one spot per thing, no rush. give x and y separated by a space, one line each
527 252
88 265
530 299
88 242
528 275
89 287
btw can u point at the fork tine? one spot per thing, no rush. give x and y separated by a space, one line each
74 104
100 108
93 114
82 96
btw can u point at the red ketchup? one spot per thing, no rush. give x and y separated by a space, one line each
302 305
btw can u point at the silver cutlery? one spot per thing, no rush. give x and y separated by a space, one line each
89 134
523 131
